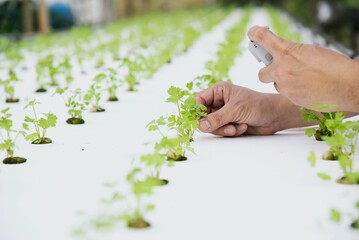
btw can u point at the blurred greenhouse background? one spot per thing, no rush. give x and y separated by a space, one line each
337 18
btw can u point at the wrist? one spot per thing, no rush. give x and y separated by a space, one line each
351 100
288 115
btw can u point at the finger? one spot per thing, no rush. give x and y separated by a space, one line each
200 99
231 130
212 96
212 109
265 75
216 120
259 131
205 97
267 39
218 98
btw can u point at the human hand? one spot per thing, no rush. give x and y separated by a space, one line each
234 110
308 74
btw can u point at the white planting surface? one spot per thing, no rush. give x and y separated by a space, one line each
233 188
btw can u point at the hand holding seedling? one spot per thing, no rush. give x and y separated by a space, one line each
307 73
234 110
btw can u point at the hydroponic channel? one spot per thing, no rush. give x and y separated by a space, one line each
250 187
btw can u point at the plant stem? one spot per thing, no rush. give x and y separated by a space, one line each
36 122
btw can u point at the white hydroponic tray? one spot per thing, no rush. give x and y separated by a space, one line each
250 187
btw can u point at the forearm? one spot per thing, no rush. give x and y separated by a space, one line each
350 81
289 115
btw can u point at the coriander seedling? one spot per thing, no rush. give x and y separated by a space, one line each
53 71
93 96
75 103
327 122
8 137
9 88
41 125
140 188
156 161
66 69
342 147
174 148
112 83
134 67
186 121
41 75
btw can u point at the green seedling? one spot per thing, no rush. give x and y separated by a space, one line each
41 75
53 71
350 176
8 137
14 56
327 123
107 221
9 88
112 82
135 217
130 208
131 80
93 96
41 125
174 148
342 146
80 60
134 68
48 72
156 161
186 121
75 103
66 69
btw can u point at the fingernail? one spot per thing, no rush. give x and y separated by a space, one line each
204 125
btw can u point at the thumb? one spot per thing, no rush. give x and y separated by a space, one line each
215 120
267 39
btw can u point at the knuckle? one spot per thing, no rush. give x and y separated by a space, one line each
222 84
289 49
223 87
280 74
